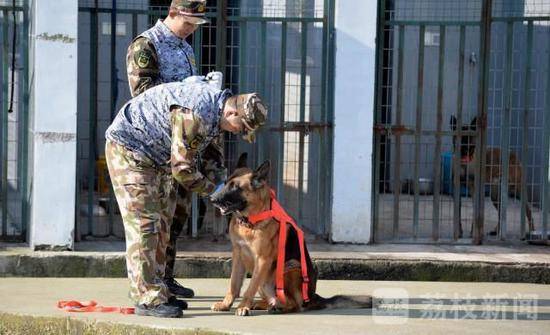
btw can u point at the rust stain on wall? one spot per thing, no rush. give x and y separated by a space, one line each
56 38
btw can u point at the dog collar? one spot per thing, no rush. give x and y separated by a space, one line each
243 220
467 159
268 214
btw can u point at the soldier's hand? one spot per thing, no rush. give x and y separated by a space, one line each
218 188
212 196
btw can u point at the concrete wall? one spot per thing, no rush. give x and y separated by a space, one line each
353 120
53 122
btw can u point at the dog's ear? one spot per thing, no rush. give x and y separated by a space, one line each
473 124
241 163
453 122
259 177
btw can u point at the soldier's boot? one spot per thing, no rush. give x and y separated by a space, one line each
182 304
177 289
165 310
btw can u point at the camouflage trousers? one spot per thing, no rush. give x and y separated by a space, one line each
146 197
182 214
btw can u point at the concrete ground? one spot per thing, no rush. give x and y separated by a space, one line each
29 307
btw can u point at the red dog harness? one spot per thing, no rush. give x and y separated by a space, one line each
278 214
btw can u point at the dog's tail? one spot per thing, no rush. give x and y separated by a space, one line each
340 302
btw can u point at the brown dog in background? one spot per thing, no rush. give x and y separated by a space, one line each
255 251
493 170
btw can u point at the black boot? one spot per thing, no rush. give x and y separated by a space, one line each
182 304
177 289
160 311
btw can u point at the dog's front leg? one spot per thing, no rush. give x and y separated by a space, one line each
237 277
268 292
259 276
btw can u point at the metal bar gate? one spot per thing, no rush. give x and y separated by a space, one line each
462 121
14 122
279 50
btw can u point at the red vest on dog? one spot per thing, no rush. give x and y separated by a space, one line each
278 214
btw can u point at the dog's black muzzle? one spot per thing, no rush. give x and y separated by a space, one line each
228 201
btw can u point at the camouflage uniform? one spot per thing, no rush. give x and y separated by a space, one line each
211 165
159 56
156 135
146 198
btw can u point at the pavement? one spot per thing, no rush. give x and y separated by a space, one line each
29 307
208 259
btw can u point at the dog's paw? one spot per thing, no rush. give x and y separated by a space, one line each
243 311
219 307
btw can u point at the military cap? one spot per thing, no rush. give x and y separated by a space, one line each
194 10
253 112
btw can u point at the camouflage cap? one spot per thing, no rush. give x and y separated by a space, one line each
194 10
253 112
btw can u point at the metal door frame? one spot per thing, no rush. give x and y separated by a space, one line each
21 13
485 25
222 22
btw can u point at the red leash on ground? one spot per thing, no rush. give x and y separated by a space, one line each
91 306
280 215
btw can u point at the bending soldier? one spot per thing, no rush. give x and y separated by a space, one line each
155 138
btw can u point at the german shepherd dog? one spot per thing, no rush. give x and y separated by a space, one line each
247 192
493 170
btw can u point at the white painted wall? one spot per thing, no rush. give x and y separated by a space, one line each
53 122
355 24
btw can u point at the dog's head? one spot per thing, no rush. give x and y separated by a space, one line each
467 140
244 188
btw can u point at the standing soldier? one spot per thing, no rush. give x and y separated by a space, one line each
155 138
162 55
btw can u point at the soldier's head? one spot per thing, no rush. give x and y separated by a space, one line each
185 16
244 113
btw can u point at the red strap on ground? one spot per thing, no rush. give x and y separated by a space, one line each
280 215
91 306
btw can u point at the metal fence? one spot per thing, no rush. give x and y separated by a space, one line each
462 120
14 120
278 48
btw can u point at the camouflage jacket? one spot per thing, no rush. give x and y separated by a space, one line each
158 56
173 124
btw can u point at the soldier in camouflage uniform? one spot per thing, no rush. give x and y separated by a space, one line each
155 138
162 55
